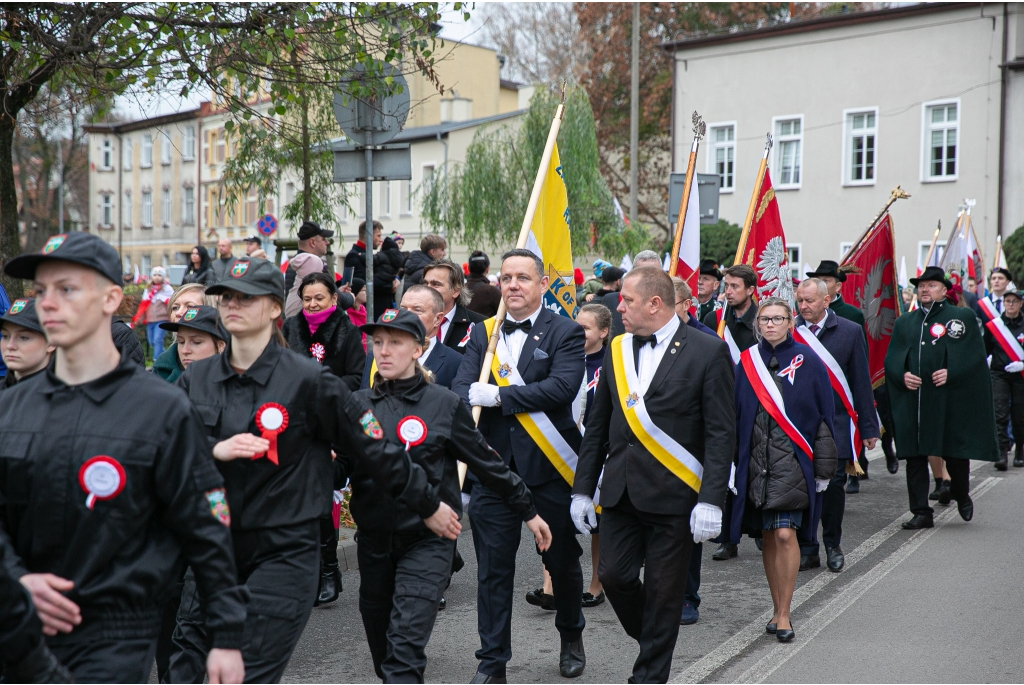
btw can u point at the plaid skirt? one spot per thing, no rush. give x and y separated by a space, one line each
755 520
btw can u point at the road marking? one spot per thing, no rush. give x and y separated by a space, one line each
778 656
728 650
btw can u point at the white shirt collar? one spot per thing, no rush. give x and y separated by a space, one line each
451 315
668 331
531 317
431 341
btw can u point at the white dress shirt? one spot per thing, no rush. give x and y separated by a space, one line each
819 324
447 323
516 341
650 357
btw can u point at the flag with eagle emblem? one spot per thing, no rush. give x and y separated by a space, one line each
765 248
871 286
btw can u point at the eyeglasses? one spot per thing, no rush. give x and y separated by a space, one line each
774 320
243 299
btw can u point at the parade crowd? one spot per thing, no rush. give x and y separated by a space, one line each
188 515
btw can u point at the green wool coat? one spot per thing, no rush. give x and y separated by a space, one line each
846 311
956 420
166 365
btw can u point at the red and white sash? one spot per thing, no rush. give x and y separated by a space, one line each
770 398
726 334
1005 338
988 308
838 380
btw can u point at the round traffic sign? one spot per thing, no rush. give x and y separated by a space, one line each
267 225
366 121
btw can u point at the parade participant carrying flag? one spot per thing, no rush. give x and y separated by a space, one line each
684 259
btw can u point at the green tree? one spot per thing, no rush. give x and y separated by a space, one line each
483 200
1013 249
719 241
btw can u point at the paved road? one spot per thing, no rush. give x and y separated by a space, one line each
940 605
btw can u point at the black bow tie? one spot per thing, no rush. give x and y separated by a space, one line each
511 327
641 340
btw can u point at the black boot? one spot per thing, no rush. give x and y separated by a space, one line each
1003 462
938 489
891 462
1018 456
330 584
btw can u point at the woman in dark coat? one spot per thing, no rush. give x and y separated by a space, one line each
786 451
199 268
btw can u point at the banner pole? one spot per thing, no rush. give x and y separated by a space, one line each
684 202
749 220
897 193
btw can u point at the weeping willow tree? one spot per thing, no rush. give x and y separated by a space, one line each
482 201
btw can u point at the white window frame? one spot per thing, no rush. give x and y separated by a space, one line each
165 147
188 206
126 209
777 158
106 210
188 143
146 160
922 250
713 147
107 155
423 172
846 172
165 207
926 130
146 268
844 247
126 154
795 264
405 198
146 221
385 199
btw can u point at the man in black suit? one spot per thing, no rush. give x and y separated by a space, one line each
446 277
611 300
662 378
843 340
427 304
537 373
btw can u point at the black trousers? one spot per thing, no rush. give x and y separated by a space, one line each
833 508
496 534
328 541
168 622
107 660
402 577
281 569
648 610
692 594
1008 398
919 481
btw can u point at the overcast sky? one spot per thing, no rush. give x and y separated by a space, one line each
157 104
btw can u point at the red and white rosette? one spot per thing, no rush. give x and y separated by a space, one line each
412 431
271 419
102 477
317 352
937 330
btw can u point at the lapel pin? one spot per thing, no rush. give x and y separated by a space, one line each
673 350
677 344
536 337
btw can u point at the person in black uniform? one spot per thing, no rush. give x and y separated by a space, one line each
403 567
446 277
659 495
23 343
1007 379
101 512
272 417
539 367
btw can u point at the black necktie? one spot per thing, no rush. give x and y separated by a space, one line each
638 344
511 327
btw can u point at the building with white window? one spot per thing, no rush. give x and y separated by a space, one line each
927 96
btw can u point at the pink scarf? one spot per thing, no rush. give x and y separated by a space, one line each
358 318
315 319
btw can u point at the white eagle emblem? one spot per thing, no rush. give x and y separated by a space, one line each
773 271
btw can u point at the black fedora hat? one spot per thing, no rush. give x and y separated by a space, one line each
709 267
933 273
828 268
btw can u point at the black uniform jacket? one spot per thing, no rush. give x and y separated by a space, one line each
442 361
461 322
742 327
124 552
690 398
341 346
321 412
451 437
552 364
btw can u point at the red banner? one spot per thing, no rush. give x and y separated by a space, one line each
873 290
765 249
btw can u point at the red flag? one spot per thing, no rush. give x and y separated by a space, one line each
765 249
874 291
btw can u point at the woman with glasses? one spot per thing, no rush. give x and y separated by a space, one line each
786 451
271 417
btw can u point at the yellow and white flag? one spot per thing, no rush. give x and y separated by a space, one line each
549 239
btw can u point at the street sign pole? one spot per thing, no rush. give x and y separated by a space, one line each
368 235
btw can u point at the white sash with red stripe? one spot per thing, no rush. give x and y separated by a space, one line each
734 349
988 308
1005 338
770 398
838 380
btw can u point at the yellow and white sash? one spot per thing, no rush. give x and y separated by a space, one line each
665 449
537 424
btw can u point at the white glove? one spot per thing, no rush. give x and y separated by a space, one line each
1014 367
484 395
821 484
732 480
465 501
705 522
583 513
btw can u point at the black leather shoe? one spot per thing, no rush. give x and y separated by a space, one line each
1003 463
330 584
966 509
892 463
771 628
442 604
918 522
484 678
572 660
809 561
785 635
945 494
590 600
539 598
934 495
852 485
726 550
1018 462
835 559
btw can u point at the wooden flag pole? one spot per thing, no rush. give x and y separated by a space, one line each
524 232
931 249
699 129
897 193
747 222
